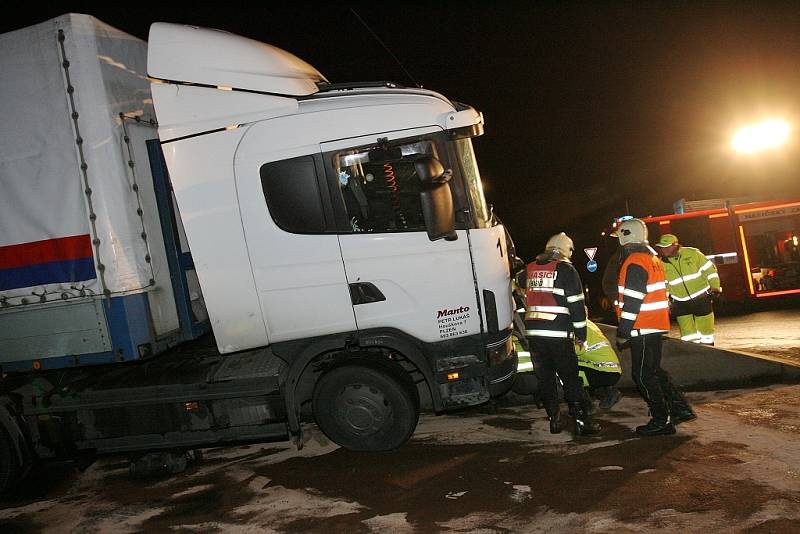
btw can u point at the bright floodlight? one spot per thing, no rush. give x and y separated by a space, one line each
762 136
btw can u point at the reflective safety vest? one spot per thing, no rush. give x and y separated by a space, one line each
539 300
689 274
653 314
598 354
524 361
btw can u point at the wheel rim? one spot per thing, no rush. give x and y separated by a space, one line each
362 409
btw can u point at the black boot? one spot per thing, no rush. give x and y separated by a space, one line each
679 408
554 416
608 396
588 403
583 421
659 424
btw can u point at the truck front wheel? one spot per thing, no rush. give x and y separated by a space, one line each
364 409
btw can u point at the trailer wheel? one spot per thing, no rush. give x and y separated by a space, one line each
10 468
365 409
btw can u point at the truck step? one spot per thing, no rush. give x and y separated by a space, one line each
252 364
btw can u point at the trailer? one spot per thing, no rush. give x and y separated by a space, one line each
204 242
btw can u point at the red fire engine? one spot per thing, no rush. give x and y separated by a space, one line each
753 244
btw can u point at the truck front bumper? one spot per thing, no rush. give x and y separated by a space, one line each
467 381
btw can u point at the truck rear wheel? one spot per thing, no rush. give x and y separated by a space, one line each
365 409
10 468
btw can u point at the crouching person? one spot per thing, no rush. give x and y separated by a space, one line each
599 367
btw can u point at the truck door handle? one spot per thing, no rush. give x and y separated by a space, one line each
364 293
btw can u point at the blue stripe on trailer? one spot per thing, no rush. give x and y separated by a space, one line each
53 272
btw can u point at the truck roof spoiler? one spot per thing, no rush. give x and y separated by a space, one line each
194 55
327 86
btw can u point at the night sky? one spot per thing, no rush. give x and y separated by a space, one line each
592 110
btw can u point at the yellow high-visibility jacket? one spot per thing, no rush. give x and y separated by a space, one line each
689 274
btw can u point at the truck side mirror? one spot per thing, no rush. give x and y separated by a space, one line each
430 170
436 199
438 212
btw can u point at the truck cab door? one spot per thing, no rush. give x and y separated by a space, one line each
292 244
399 278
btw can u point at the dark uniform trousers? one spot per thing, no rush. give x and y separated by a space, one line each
551 356
652 380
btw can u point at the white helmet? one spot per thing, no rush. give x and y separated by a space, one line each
632 231
562 243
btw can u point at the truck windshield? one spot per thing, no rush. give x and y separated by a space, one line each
461 151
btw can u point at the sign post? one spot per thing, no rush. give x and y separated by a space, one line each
590 252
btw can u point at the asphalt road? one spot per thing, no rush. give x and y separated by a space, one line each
735 469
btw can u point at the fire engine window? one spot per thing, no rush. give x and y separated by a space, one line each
292 192
380 187
773 253
693 232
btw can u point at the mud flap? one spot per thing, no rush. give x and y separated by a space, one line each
13 430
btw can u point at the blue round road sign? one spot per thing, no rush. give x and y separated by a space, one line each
592 266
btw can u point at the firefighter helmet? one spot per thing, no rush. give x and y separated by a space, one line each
562 243
632 231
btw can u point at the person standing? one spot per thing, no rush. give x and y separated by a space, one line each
643 315
555 321
691 278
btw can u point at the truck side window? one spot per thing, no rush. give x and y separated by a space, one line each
292 192
380 187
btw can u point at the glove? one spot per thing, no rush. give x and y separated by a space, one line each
580 345
715 293
622 342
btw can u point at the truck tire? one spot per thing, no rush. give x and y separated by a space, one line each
10 468
365 409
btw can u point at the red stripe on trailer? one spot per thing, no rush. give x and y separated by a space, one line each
50 250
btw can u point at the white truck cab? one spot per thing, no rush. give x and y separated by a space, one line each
347 218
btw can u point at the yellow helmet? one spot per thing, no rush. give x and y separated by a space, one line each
562 243
632 231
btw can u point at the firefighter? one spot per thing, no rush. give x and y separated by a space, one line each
598 367
643 314
691 278
555 321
